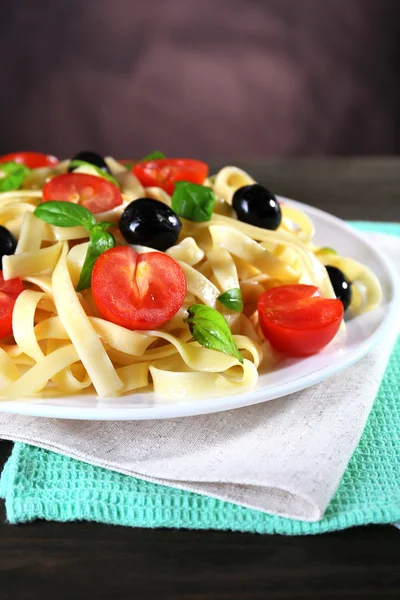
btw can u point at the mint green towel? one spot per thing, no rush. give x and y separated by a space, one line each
38 484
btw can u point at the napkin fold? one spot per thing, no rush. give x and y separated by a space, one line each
285 457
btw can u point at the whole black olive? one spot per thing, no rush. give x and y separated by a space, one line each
93 158
148 222
8 243
255 205
341 285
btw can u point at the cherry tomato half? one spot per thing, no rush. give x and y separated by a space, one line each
297 319
164 172
94 193
33 160
137 291
9 292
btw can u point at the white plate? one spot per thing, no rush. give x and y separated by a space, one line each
362 334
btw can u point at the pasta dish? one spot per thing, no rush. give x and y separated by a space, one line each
120 276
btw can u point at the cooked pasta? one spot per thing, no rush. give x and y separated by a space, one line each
61 345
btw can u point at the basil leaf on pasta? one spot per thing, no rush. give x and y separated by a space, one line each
76 163
209 328
100 241
193 201
65 214
156 155
104 225
12 175
232 299
68 214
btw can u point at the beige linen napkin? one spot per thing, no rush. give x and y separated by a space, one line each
284 457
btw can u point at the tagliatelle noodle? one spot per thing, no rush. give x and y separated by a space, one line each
371 291
37 377
81 332
31 263
23 324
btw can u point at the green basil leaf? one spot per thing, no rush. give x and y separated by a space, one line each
100 241
232 299
74 164
65 214
12 175
156 155
192 201
105 224
209 328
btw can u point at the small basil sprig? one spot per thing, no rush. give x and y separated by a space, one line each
68 214
209 328
99 242
76 163
232 299
192 201
65 214
12 175
156 155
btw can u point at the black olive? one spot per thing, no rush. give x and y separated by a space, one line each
255 205
148 222
341 285
8 243
93 158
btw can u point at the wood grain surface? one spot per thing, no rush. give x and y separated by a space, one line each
86 560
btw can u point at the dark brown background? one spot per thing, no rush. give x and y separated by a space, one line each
213 78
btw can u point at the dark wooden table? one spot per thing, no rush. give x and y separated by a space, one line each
86 560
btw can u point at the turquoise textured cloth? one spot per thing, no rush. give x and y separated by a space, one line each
40 484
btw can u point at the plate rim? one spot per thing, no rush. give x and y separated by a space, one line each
30 407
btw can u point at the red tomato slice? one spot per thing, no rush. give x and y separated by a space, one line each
94 193
137 291
164 172
297 319
33 160
9 292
